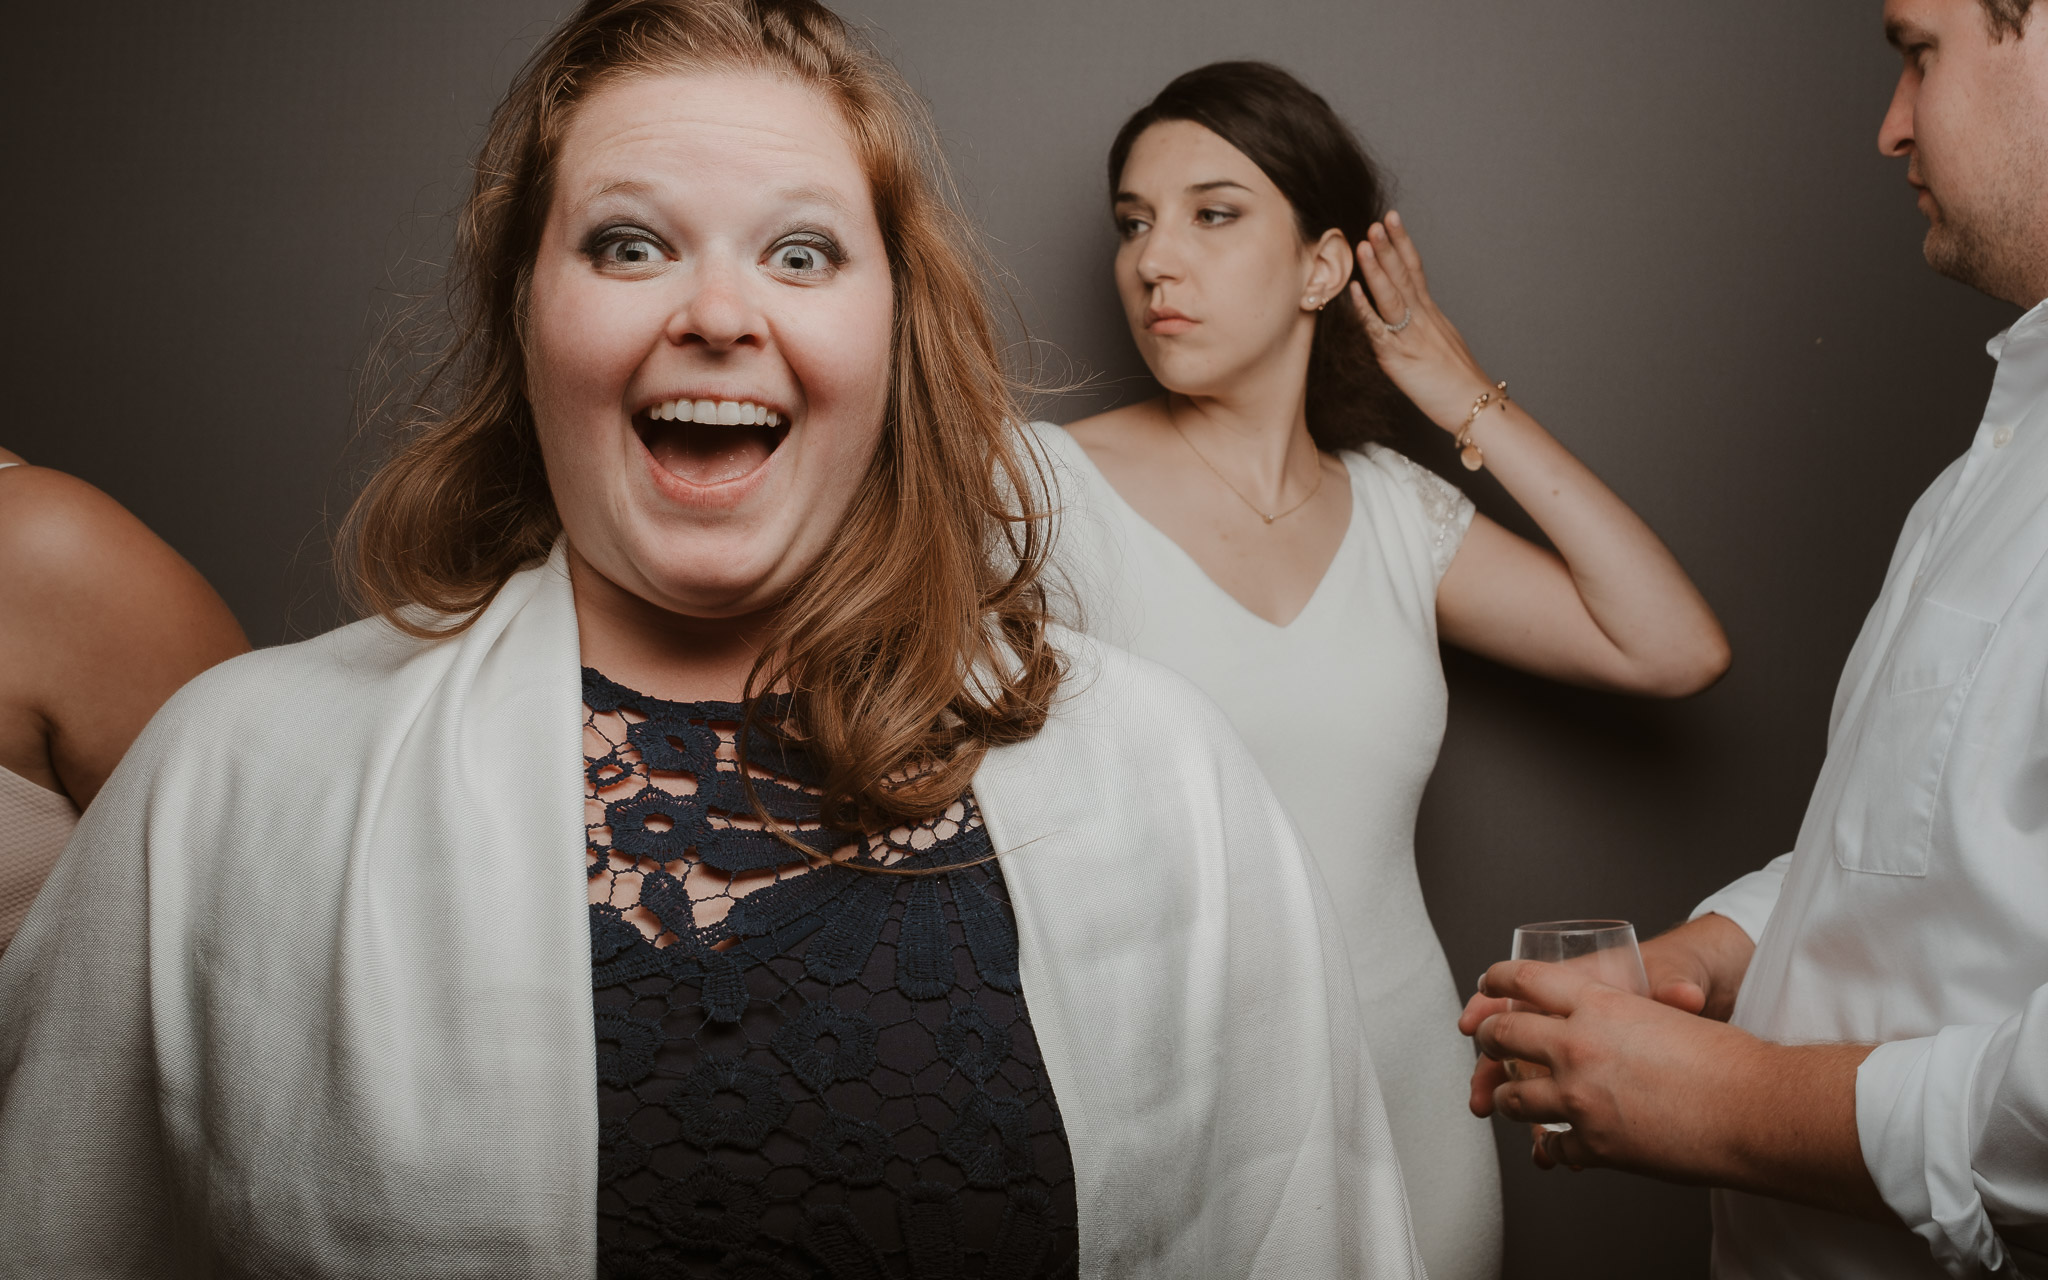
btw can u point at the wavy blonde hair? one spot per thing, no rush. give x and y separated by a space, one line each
919 639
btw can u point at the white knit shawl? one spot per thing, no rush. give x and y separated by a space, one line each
309 991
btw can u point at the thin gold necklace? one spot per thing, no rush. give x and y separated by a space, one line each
1256 509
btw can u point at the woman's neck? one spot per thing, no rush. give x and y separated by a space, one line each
662 654
1260 442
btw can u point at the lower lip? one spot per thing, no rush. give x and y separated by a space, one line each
1171 324
723 496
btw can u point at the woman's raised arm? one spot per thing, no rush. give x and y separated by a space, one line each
1610 607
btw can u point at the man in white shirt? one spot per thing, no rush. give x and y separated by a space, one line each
1868 1088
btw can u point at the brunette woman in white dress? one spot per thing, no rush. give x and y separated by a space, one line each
1245 530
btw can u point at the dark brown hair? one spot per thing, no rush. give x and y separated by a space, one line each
1285 128
2007 17
918 640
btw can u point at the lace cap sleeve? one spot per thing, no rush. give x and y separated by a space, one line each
1446 511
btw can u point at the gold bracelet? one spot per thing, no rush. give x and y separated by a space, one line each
1468 452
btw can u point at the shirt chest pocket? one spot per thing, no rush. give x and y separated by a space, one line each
1885 823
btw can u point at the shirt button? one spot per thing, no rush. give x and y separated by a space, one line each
2001 437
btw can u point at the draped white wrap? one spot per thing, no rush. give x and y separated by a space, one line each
309 992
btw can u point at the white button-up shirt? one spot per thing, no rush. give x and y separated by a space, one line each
1914 909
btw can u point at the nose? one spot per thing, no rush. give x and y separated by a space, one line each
718 311
1159 258
1895 135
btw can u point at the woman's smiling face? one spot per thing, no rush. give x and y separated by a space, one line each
707 336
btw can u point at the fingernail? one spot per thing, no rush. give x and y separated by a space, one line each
1393 218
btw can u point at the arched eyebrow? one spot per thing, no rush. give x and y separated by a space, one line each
616 187
1193 188
639 188
1902 33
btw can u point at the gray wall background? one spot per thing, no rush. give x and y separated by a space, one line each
1666 224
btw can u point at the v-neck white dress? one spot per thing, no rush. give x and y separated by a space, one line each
1344 710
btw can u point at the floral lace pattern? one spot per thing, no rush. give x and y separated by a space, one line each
1445 508
804 1070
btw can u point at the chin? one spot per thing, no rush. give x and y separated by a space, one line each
1188 382
687 590
1172 368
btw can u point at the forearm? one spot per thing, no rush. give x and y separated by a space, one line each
1787 1122
1652 1089
1632 587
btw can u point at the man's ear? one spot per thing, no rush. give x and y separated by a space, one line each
1330 263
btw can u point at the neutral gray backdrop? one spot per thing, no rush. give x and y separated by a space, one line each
1666 224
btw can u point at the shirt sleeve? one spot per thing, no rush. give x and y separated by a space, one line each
1954 1129
1748 901
1446 511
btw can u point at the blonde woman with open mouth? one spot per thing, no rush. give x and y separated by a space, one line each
708 858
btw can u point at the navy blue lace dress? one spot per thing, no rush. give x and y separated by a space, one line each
803 1071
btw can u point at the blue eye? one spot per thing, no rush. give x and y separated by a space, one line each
807 257
626 247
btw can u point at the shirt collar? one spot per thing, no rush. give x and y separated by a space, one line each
2032 324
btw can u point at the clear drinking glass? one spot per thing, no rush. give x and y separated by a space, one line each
1604 949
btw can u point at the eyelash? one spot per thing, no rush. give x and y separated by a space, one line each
1127 227
606 238
817 242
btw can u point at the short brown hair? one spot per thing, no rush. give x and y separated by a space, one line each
2007 17
919 639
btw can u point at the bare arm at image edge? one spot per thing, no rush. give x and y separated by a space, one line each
100 623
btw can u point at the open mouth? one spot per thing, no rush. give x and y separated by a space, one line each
708 442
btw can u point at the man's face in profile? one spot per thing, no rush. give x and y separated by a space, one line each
1970 116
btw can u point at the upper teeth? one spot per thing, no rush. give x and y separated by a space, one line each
728 413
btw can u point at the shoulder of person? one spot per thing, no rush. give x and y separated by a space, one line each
1396 468
1050 450
1442 505
1058 454
1136 704
1112 436
1138 781
289 700
1049 436
60 534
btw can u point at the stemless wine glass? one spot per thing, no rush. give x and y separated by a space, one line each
1605 950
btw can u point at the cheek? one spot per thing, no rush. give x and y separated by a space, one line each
1125 268
583 343
1269 275
840 356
